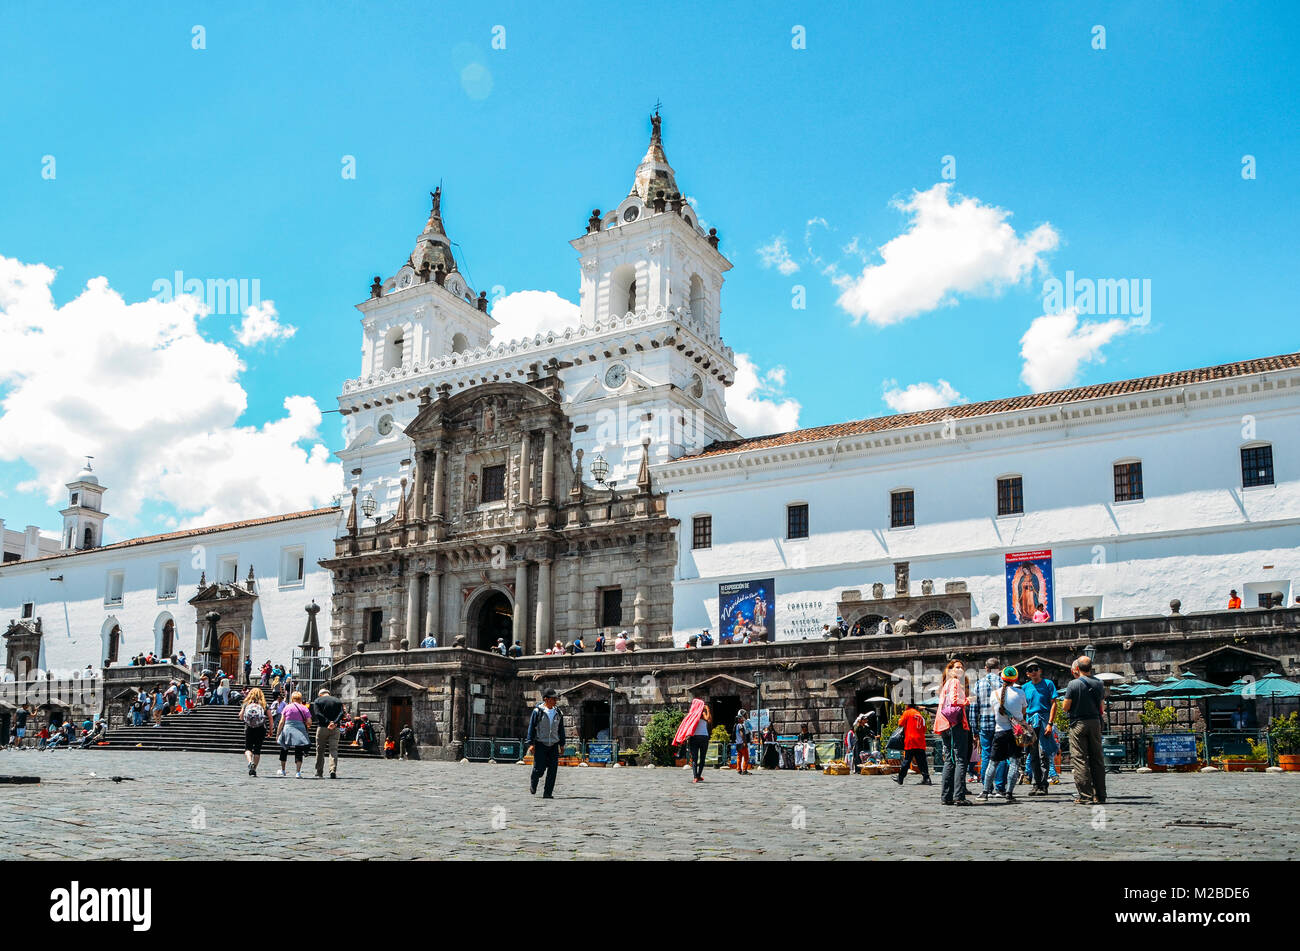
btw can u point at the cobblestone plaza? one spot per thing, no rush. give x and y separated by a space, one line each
205 806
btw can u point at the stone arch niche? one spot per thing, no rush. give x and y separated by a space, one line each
489 614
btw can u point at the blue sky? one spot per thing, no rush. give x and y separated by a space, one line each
225 162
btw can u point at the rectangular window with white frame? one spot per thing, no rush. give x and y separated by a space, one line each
229 569
113 588
292 566
168 578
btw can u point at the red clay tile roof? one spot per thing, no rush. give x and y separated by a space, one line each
1286 361
188 533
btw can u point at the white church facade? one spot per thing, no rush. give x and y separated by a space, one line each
1103 501
96 604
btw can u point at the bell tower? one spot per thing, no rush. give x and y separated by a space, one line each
83 519
650 252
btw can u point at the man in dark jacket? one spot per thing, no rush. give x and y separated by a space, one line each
545 740
327 714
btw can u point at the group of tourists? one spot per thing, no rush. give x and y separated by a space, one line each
622 642
1006 722
149 659
292 723
57 731
162 701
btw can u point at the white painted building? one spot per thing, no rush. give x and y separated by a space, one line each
645 360
32 542
1183 486
112 602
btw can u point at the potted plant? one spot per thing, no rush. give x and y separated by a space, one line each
1284 732
720 746
657 740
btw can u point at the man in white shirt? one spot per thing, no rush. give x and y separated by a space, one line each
1008 702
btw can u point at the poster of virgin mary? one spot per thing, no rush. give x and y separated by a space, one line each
1029 587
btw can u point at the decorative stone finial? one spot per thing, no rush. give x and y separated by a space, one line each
713 237
593 223
377 288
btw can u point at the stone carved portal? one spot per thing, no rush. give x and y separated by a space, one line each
490 615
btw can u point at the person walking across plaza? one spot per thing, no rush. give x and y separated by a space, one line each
293 736
986 720
254 715
327 715
694 731
913 724
951 722
1009 704
1085 705
544 741
1040 714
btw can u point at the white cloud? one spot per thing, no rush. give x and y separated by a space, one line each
920 396
260 323
138 387
756 401
950 248
775 254
525 314
1056 345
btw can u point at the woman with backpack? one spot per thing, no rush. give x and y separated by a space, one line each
294 735
255 717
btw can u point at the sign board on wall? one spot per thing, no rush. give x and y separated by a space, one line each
1174 749
746 607
1029 586
803 613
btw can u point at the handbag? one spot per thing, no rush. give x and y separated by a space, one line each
1024 736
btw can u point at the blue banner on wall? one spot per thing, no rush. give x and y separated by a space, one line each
746 607
1029 587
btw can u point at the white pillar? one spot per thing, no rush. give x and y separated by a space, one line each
548 468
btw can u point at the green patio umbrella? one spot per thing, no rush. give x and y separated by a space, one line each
1137 688
1270 686
1186 687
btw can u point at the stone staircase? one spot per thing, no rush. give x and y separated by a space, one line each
207 729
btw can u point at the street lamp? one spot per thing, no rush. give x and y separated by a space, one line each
599 468
368 505
613 742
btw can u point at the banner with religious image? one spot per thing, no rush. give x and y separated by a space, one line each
1029 587
746 608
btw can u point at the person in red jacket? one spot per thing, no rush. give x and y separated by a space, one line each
913 725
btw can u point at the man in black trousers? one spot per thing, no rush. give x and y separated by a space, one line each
545 740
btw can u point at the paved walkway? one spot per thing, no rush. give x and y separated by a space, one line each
199 805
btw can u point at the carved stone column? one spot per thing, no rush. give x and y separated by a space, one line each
548 468
520 617
412 608
420 474
440 484
525 464
543 626
433 611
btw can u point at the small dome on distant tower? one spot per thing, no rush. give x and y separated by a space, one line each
87 474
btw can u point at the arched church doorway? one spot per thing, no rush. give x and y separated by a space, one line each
168 639
114 643
492 617
230 659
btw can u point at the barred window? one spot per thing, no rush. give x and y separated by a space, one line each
611 607
1256 466
901 509
1128 481
494 483
1011 498
796 520
702 531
